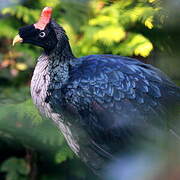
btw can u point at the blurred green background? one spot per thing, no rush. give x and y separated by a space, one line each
31 147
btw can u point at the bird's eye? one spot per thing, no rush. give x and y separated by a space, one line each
42 34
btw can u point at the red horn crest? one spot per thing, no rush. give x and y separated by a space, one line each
44 19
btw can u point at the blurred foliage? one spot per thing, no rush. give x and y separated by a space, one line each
35 148
113 26
17 169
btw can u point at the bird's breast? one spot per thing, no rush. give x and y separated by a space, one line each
39 86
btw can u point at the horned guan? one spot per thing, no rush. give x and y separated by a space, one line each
103 104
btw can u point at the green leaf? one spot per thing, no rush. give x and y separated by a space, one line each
64 154
15 169
110 34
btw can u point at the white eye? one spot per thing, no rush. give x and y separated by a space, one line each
42 34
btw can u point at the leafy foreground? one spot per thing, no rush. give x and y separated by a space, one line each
34 142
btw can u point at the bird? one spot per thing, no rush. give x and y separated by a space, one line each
103 104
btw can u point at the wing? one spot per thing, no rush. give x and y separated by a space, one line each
119 99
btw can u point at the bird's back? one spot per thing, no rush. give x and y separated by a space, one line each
114 82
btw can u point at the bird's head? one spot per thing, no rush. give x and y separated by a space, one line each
45 33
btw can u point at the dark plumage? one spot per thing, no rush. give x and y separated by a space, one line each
102 104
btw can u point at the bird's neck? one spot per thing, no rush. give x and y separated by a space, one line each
58 64
61 55
62 51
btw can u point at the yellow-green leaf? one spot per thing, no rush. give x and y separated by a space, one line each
144 49
148 22
21 66
110 34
